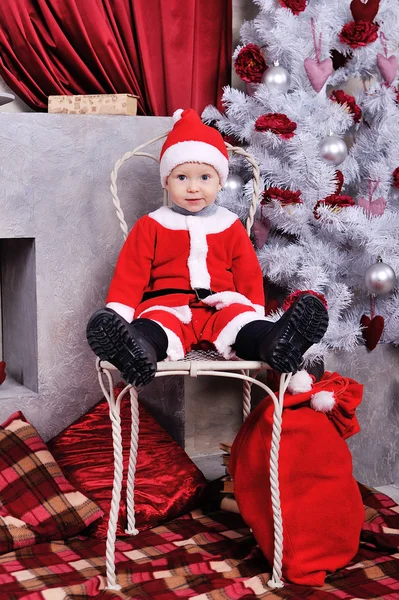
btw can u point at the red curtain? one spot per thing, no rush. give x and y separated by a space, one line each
172 54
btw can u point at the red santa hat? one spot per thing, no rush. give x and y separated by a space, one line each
192 141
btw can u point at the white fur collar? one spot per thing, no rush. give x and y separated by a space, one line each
221 220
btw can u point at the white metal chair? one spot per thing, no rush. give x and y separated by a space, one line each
195 364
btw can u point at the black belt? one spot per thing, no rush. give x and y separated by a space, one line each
201 293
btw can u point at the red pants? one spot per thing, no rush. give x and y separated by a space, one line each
190 323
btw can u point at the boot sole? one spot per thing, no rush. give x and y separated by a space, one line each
306 325
111 341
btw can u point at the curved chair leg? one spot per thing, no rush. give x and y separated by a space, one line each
114 414
134 440
246 396
275 581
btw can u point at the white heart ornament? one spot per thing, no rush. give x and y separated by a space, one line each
387 67
318 73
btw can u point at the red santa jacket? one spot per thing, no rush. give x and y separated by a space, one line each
169 250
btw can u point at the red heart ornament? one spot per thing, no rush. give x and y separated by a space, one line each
372 330
2 371
364 11
340 182
387 67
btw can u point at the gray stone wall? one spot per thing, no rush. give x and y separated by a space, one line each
375 449
59 240
17 105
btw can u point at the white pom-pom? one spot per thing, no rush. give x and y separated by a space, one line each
300 382
177 115
323 401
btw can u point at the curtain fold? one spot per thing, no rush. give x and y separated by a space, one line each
173 54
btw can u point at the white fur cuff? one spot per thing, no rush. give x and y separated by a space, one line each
183 313
222 299
175 350
228 335
124 311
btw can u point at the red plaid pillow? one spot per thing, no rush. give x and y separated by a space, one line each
36 501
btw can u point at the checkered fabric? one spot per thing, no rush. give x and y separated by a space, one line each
36 501
205 557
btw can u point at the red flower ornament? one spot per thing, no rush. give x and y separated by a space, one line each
358 33
250 64
294 295
395 176
296 6
341 98
285 197
334 201
277 123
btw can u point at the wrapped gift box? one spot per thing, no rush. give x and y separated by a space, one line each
95 104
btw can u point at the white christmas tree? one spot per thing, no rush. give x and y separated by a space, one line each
329 159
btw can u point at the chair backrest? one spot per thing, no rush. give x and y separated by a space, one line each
138 152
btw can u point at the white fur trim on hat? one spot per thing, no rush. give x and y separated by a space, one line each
323 401
193 151
177 114
300 382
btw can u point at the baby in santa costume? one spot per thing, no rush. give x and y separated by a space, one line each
189 274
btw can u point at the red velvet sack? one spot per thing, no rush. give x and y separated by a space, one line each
322 508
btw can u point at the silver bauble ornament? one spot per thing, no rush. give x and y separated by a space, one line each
380 278
277 79
333 149
234 183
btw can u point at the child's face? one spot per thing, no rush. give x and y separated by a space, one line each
193 186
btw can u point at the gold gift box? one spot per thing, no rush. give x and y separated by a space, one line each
95 104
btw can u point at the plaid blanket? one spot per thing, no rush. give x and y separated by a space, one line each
206 557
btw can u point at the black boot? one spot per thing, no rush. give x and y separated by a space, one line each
132 348
282 344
